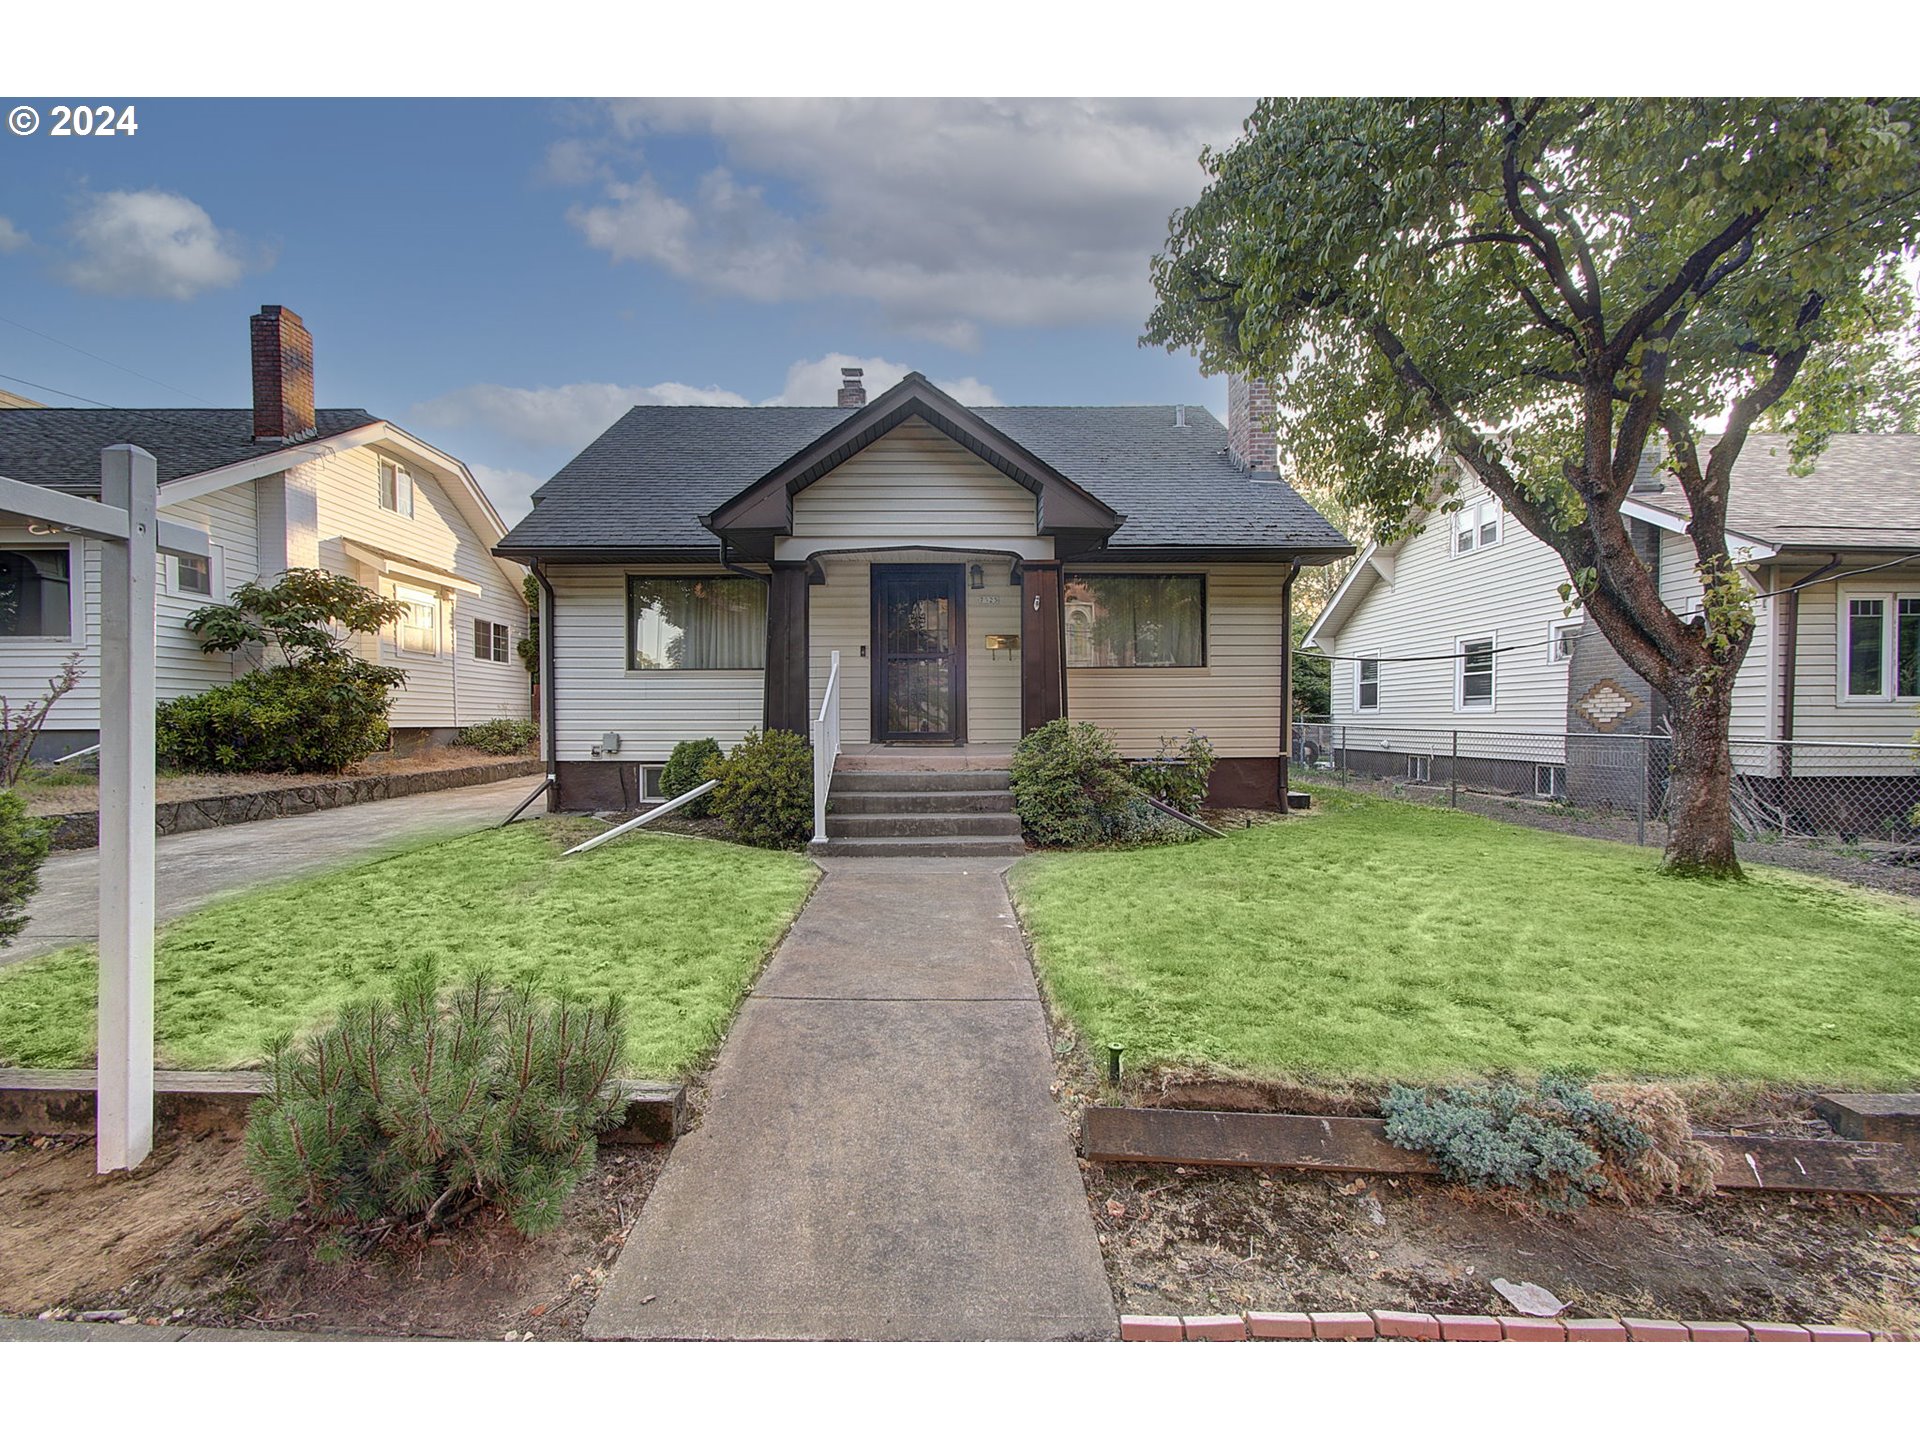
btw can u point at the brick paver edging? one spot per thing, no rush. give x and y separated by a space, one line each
1412 1325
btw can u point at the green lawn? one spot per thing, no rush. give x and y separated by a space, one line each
1378 940
677 926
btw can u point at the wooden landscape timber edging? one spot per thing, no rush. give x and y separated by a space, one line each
1357 1144
200 1103
1418 1325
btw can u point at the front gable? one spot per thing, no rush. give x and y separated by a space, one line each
766 510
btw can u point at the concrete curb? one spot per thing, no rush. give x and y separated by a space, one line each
1413 1325
83 1331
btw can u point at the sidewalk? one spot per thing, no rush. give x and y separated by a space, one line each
880 1158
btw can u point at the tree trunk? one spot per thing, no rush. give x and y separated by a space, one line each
1700 789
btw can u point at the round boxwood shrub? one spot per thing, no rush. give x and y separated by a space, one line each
500 737
23 845
692 763
1069 784
765 794
299 718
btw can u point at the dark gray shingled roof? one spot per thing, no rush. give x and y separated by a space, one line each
1864 493
60 448
643 484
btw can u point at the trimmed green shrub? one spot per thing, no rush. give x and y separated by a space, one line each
500 737
694 762
1178 773
428 1106
1557 1143
765 793
317 716
23 845
1070 785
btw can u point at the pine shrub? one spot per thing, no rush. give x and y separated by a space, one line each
1557 1143
504 736
693 762
429 1105
23 845
765 794
1070 786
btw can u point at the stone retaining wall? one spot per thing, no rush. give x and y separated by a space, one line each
80 829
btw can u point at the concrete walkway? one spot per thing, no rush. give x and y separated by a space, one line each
195 868
880 1157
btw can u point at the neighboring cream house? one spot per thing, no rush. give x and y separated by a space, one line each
276 487
980 571
1834 663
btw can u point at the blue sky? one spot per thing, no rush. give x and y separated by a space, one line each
504 277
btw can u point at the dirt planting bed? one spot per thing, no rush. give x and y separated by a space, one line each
1184 1240
186 1240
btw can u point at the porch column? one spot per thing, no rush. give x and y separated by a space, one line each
1043 660
787 675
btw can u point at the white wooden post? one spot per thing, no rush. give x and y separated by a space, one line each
124 1132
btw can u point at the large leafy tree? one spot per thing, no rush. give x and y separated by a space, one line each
1535 289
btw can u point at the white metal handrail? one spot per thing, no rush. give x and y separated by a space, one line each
826 748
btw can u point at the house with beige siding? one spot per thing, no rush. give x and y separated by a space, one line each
276 487
1460 630
943 579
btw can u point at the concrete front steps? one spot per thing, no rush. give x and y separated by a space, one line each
920 810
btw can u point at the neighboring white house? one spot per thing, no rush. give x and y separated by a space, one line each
278 486
1834 665
979 571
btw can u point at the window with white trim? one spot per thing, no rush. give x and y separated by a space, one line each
492 641
417 631
194 577
1879 646
396 489
1562 636
1473 681
1475 527
36 592
1366 683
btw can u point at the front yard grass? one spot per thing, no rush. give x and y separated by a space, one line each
677 927
1375 940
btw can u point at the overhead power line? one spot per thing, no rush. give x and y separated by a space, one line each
126 369
67 394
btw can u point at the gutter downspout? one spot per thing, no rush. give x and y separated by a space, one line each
1286 684
1789 671
548 706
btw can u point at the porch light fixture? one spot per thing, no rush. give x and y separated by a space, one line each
977 577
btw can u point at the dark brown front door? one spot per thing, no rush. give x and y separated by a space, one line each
919 654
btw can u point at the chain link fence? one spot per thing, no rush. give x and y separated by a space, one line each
1817 793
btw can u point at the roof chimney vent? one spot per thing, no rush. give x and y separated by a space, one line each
1180 417
1648 478
853 393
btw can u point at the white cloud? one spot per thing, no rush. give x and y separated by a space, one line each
817 382
560 415
569 416
12 237
947 214
151 243
510 490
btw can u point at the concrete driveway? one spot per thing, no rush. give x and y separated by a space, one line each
196 868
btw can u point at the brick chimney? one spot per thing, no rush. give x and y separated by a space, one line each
853 391
282 375
1252 442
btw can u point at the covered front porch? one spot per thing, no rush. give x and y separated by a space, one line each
939 648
